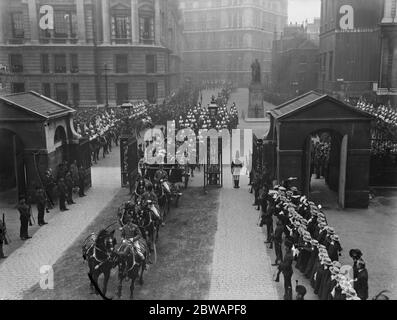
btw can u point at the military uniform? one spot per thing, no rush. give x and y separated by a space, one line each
41 202
24 212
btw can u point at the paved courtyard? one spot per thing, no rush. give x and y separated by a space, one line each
21 270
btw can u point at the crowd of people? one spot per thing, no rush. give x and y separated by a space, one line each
384 134
308 239
216 84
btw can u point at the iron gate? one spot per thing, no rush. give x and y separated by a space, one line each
213 170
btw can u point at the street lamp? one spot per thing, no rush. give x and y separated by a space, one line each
106 69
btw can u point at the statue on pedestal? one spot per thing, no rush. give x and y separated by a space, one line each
256 71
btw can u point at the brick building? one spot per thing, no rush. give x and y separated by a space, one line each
128 48
295 62
350 36
224 37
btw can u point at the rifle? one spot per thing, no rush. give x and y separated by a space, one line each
7 240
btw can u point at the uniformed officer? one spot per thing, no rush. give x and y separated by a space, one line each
286 268
278 239
24 211
62 194
3 239
132 233
361 280
81 181
41 202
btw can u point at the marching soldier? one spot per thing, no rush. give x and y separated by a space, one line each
24 211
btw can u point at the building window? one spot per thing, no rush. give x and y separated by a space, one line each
17 25
46 89
65 24
74 63
121 26
16 63
45 63
76 93
61 92
121 63
146 30
151 92
121 93
60 63
151 63
18 87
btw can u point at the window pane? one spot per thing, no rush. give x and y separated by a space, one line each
60 63
17 25
151 64
18 87
76 93
121 63
46 90
16 62
74 63
45 63
61 92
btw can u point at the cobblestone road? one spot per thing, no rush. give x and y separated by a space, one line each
21 270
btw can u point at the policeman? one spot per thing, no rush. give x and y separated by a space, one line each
24 217
278 238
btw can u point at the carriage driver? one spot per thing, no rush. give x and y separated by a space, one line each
160 174
131 232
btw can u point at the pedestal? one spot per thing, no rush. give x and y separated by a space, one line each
255 107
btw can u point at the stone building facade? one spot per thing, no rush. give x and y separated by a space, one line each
224 37
96 50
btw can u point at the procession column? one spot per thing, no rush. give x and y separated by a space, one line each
34 27
105 22
395 18
81 21
134 22
157 22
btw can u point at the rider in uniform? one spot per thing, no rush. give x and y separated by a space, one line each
132 233
160 174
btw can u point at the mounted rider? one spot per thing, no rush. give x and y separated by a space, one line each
161 174
131 233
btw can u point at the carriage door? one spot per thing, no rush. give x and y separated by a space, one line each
342 172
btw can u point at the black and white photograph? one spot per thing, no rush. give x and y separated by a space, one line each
212 151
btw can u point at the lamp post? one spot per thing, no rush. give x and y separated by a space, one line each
106 69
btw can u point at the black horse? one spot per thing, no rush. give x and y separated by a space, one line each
99 252
131 265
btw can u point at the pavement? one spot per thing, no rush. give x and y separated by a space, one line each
241 268
21 270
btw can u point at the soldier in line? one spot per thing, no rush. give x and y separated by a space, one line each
24 211
41 202
81 174
62 194
69 188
